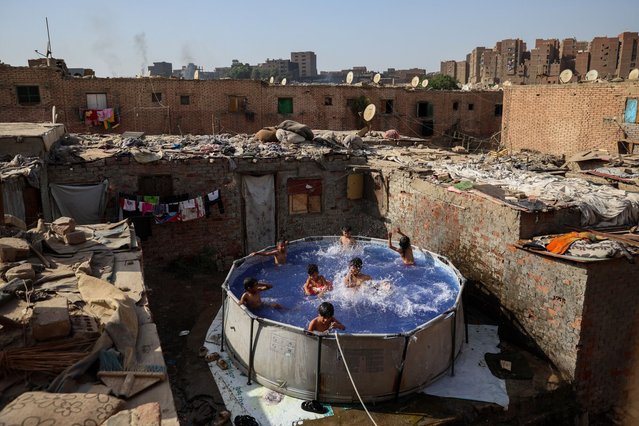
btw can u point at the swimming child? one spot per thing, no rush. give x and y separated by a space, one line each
251 296
354 277
405 250
279 253
325 321
316 284
347 239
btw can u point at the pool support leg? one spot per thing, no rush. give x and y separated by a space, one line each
222 334
452 351
400 374
250 366
317 370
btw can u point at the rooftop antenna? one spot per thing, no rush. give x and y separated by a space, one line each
565 76
49 53
283 82
376 78
592 75
414 82
634 74
425 83
271 80
369 112
349 77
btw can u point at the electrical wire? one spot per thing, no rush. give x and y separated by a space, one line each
351 377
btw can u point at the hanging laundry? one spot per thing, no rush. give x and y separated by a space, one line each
145 207
91 117
213 198
153 199
192 209
167 218
128 205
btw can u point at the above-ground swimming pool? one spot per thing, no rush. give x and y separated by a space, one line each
403 328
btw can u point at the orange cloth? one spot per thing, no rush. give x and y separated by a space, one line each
561 244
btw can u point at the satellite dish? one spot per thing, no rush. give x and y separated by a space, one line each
592 75
369 112
376 78
196 75
459 85
465 87
634 74
507 83
271 80
283 83
349 77
565 76
415 81
425 83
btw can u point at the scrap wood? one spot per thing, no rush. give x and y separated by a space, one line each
38 253
52 357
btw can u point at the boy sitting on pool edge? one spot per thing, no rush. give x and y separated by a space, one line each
316 284
251 297
325 321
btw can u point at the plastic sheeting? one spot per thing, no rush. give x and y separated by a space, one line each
13 198
599 205
84 203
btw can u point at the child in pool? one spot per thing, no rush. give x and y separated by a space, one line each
347 240
405 250
325 321
279 253
354 277
316 284
251 297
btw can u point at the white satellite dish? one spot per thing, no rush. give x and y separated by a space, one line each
465 87
425 83
369 112
283 83
415 81
565 76
507 83
271 80
196 75
592 75
376 78
459 85
349 77
634 74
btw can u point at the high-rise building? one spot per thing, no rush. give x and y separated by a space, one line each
545 53
582 63
282 68
603 56
162 69
474 65
461 72
307 63
568 52
489 66
511 59
448 68
627 53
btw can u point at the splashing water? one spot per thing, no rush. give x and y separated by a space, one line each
398 298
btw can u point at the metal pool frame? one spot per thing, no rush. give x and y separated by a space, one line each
306 365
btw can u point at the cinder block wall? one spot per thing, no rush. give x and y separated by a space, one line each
565 119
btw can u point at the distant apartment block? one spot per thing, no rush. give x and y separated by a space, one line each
627 53
282 68
544 61
603 55
568 51
161 69
448 68
474 65
307 63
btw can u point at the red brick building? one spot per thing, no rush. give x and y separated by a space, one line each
160 105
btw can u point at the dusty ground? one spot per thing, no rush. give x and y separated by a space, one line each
189 303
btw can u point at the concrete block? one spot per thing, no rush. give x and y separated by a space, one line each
75 237
24 271
50 319
63 225
20 246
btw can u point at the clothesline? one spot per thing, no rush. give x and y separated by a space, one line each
173 209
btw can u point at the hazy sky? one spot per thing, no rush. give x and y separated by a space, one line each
119 38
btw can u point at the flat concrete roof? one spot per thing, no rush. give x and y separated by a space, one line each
48 132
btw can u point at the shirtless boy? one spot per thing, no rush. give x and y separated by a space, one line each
347 239
354 277
251 297
405 250
316 284
279 253
325 321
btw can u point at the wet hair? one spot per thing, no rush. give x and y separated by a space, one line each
404 243
347 229
356 262
249 282
326 310
282 242
312 268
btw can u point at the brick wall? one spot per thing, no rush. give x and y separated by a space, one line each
208 111
565 119
222 232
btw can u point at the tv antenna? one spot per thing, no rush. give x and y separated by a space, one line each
49 53
376 78
592 75
349 77
565 76
414 82
271 80
634 74
369 112
283 82
425 83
